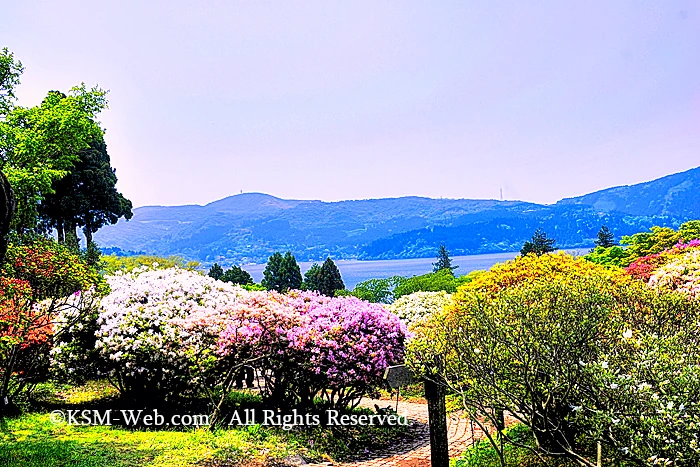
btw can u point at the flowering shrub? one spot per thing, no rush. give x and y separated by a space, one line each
525 269
167 331
643 268
343 347
38 279
313 343
681 273
138 338
577 357
74 356
416 306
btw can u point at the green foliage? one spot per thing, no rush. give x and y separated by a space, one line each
377 290
324 279
113 263
443 263
643 244
282 273
236 275
575 352
610 256
40 145
92 255
442 280
539 244
86 196
216 271
10 71
605 238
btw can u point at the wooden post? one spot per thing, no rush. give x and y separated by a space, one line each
437 417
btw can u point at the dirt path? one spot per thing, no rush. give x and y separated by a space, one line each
416 452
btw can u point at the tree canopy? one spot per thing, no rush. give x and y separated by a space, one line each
539 244
443 260
605 238
236 275
41 144
324 279
282 273
86 197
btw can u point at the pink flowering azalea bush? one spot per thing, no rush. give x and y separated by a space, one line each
343 348
308 345
643 268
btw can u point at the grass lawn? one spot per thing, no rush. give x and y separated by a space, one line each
33 439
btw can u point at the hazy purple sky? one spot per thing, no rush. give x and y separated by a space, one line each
349 100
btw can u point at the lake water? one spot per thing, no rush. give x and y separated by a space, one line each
354 271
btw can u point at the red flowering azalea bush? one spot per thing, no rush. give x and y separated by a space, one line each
645 267
39 279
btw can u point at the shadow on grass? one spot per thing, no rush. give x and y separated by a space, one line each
32 452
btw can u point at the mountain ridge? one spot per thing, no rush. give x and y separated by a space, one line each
248 227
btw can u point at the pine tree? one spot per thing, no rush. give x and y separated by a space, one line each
443 260
539 244
216 271
606 238
330 279
324 279
237 275
312 278
282 273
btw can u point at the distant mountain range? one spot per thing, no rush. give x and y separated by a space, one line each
248 228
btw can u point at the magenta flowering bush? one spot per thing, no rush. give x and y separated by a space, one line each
306 345
343 347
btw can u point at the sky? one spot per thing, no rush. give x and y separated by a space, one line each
354 100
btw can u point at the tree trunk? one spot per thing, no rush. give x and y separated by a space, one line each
71 234
7 210
88 235
60 232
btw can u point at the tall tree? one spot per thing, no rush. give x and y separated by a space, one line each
40 145
324 279
539 244
216 271
312 278
86 197
605 237
331 280
237 275
443 260
282 273
10 71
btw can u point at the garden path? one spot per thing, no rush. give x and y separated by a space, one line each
415 451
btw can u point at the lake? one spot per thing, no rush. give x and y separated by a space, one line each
354 271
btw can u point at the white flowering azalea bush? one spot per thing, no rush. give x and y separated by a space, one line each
74 356
139 338
682 274
578 354
416 306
